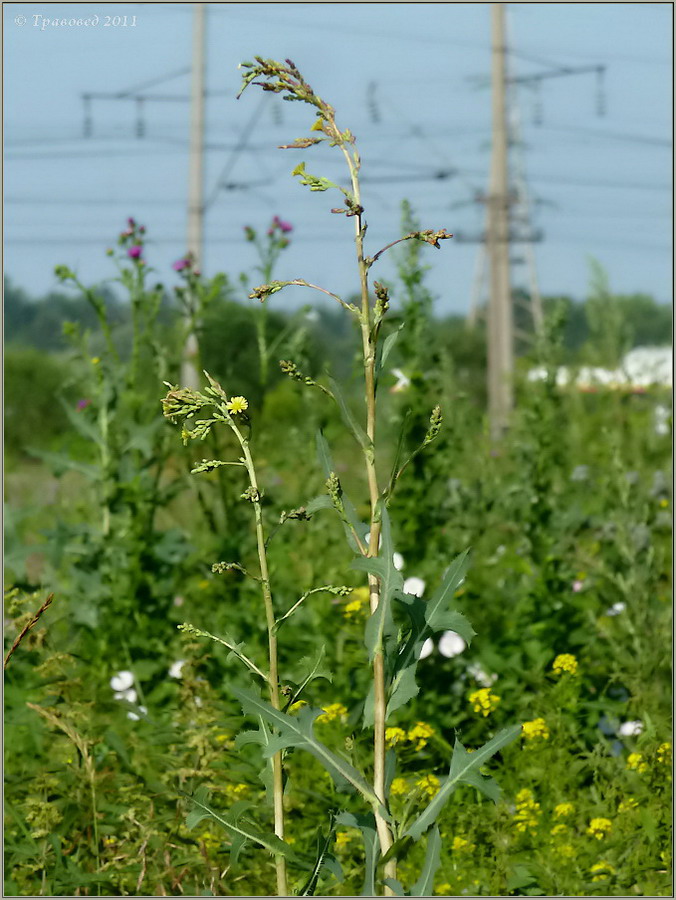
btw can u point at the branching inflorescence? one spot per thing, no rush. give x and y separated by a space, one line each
393 644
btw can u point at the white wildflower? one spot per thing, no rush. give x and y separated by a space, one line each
616 609
398 561
129 695
427 648
630 729
415 586
122 681
134 716
451 644
176 668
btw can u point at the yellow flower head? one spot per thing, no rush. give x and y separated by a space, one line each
602 870
484 701
462 844
342 838
299 704
567 851
599 828
399 787
237 405
420 733
627 805
562 810
524 797
635 761
394 736
559 829
527 815
565 662
664 754
332 711
537 729
428 784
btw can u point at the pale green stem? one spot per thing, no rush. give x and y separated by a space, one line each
273 677
380 696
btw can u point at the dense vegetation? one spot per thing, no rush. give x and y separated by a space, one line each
124 744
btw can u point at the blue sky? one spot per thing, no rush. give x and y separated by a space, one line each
409 79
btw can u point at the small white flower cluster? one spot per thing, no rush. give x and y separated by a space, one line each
616 609
480 675
122 684
630 729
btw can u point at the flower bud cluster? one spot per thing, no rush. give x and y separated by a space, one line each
131 240
382 299
182 402
435 425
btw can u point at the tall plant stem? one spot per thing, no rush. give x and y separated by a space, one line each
273 678
380 698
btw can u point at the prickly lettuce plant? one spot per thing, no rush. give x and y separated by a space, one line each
399 623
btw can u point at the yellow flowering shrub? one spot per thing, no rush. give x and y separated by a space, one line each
461 844
599 828
420 734
399 787
332 712
357 604
561 810
528 812
535 730
636 762
394 736
601 870
484 701
428 784
565 662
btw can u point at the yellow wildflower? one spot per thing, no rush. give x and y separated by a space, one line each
221 738
420 733
559 829
602 870
444 890
299 704
95 360
237 405
484 701
627 805
565 662
664 754
332 711
567 851
399 787
599 828
635 761
394 736
462 844
235 791
527 815
562 810
535 729
342 838
664 504
359 599
428 784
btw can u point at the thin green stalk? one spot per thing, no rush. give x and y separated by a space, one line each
273 676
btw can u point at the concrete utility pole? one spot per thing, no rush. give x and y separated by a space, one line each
500 319
195 242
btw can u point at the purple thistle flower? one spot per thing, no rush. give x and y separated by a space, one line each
135 251
284 227
181 264
131 222
83 404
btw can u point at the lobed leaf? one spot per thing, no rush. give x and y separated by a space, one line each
297 731
464 768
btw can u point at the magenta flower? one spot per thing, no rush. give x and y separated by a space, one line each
83 404
283 226
131 222
135 251
181 264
